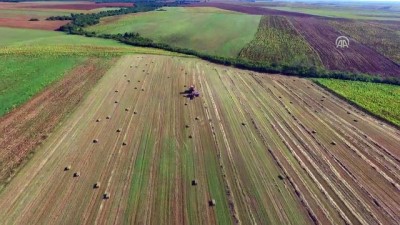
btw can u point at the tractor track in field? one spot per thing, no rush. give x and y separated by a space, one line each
266 149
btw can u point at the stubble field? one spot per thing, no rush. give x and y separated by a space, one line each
267 149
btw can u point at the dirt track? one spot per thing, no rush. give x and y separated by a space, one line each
268 149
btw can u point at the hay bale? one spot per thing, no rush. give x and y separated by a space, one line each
124 143
322 100
142 89
138 81
348 112
108 117
129 80
244 124
95 140
184 85
194 182
314 132
116 90
355 120
135 88
67 168
119 130
187 126
96 185
77 174
291 102
135 112
106 195
197 118
281 177
98 120
190 136
116 101
333 143
212 202
126 109
185 103
125 74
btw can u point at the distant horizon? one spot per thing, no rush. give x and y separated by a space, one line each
333 1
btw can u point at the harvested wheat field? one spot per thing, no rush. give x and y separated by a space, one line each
252 149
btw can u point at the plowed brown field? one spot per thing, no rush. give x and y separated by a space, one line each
268 149
357 58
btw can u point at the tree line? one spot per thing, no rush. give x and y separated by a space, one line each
80 21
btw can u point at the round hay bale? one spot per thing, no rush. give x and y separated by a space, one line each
129 80
212 202
314 132
98 120
77 174
124 143
185 103
95 140
355 120
281 177
244 124
190 136
184 85
194 182
187 126
280 97
108 117
96 185
142 89
116 102
116 90
197 118
291 102
348 112
125 74
67 168
135 112
119 130
322 100
126 109
106 195
138 81
333 143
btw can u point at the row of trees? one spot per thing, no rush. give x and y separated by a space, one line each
80 21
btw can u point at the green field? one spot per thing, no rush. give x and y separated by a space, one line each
380 99
20 37
23 77
30 60
37 42
278 42
207 30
